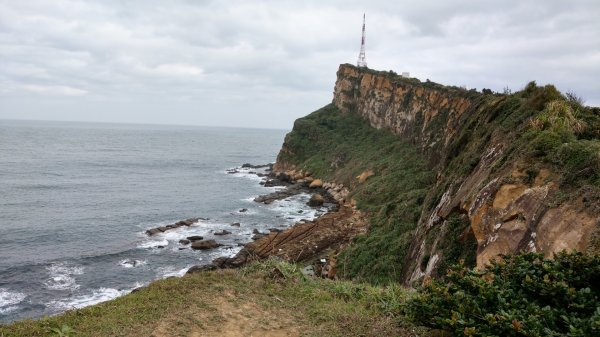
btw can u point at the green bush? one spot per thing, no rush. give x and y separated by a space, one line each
579 159
519 295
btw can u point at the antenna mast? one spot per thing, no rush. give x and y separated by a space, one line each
362 61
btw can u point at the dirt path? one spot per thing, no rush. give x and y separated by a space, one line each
230 316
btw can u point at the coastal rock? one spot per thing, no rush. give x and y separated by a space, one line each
184 242
195 238
316 183
153 231
236 224
248 165
243 210
187 222
205 244
316 200
200 269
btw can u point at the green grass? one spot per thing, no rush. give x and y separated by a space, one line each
339 147
319 307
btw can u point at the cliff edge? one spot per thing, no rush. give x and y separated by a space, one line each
450 175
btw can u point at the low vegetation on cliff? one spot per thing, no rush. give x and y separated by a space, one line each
519 295
508 139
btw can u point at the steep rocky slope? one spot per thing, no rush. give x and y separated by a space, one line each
451 175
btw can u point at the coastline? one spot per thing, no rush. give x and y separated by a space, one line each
315 242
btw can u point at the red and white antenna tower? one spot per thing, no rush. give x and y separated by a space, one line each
362 61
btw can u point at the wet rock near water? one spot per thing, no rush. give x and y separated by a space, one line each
205 244
184 242
316 200
158 230
199 269
195 238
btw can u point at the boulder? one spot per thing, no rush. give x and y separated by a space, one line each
243 210
199 269
205 244
195 238
223 232
163 228
235 224
316 200
184 242
316 183
153 231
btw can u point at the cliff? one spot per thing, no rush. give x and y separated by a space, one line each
457 175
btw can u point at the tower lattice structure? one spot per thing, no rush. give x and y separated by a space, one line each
362 60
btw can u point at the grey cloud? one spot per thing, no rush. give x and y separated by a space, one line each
265 63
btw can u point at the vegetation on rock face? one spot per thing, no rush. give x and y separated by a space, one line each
338 146
536 128
519 295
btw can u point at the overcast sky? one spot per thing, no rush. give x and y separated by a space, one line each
266 63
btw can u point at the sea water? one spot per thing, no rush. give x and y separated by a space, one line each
76 199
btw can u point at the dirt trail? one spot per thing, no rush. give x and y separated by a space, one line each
230 316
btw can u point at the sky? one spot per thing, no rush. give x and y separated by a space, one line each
266 63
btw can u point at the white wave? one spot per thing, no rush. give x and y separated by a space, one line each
289 208
153 244
172 272
131 263
97 296
61 276
9 300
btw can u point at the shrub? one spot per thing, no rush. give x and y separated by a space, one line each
519 295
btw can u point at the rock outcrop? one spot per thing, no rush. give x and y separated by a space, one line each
509 207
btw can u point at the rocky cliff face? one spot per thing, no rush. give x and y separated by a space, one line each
510 202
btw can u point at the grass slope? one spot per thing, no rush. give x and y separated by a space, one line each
271 298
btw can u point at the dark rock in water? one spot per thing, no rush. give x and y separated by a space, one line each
195 238
236 224
205 244
153 231
243 210
200 269
223 232
247 165
184 242
187 222
276 230
300 211
160 247
255 231
182 248
191 221
316 200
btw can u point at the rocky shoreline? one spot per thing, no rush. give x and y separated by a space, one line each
317 241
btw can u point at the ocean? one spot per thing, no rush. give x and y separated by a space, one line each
76 199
